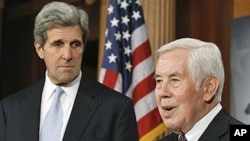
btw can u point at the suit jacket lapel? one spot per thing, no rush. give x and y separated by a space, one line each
30 107
217 128
83 109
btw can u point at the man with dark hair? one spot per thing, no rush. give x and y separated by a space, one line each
66 105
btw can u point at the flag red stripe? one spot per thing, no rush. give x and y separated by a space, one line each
141 52
143 88
149 122
110 78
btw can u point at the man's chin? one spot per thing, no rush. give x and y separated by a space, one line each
65 80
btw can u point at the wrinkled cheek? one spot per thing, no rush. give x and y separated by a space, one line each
157 98
156 93
174 122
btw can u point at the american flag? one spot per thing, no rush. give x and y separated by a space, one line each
128 65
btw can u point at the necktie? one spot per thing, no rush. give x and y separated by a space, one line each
52 125
182 138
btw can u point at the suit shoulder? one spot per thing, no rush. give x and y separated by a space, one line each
91 84
231 120
94 87
106 91
20 94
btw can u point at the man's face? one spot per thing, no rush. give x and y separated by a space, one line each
62 53
179 103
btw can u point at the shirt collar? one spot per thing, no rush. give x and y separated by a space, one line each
199 127
69 89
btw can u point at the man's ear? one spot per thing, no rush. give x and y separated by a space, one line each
39 49
211 85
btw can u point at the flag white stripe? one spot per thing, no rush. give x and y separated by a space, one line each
145 105
138 37
118 84
140 73
101 74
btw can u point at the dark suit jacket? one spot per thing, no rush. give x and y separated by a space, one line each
98 114
217 130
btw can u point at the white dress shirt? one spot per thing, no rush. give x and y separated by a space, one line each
195 133
67 99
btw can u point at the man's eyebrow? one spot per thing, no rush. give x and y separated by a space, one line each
155 75
175 74
76 41
56 41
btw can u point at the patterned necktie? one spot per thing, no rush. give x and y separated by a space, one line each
182 138
52 125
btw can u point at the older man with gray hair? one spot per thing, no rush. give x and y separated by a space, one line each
189 80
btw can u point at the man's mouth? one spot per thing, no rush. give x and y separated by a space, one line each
168 108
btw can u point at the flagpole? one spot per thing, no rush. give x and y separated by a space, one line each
103 15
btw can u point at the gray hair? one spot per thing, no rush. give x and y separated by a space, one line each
204 60
59 14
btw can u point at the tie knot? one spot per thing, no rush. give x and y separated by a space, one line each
58 93
182 138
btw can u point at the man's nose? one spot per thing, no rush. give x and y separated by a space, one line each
164 90
67 53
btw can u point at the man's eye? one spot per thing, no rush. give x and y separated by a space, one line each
158 80
175 82
57 44
76 45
